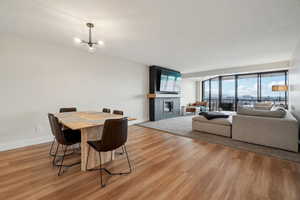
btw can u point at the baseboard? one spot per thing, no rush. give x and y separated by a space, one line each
24 143
28 142
136 122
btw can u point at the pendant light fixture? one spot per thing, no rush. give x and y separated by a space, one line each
91 45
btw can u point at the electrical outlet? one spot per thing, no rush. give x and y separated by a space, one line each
38 129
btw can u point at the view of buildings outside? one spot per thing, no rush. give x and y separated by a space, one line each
247 89
205 91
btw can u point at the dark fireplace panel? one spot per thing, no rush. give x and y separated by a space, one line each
164 107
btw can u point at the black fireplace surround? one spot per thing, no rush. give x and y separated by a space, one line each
165 105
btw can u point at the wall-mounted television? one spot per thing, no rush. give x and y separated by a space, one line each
169 81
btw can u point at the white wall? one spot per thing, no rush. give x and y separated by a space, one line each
199 90
188 92
294 81
37 78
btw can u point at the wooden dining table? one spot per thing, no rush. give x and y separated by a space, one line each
91 125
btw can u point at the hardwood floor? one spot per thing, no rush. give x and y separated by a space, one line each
165 167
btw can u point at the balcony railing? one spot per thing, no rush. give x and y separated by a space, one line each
214 104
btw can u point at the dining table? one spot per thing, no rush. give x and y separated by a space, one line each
90 124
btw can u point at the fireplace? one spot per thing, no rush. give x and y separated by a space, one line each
164 107
168 106
162 104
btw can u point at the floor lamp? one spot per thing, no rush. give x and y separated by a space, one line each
280 88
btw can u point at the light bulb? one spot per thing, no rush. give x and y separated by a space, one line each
77 40
101 43
92 49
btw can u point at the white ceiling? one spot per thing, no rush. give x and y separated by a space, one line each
190 35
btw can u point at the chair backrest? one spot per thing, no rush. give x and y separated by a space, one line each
71 109
118 112
106 110
115 133
56 129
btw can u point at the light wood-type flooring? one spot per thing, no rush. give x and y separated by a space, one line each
165 167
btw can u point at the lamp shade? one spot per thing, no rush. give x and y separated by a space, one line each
280 88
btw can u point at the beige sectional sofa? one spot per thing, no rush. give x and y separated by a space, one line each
270 128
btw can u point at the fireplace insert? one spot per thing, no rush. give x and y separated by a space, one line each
168 106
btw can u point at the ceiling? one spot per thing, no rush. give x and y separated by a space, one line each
191 35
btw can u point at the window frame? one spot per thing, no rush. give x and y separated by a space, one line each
236 76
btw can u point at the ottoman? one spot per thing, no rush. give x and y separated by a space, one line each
220 126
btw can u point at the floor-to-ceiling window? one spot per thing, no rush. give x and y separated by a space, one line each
272 79
214 95
245 89
206 90
228 91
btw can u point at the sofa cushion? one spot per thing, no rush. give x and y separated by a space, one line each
278 107
263 106
213 115
277 113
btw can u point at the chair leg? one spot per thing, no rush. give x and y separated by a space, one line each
102 185
106 170
121 173
54 159
54 154
62 161
50 152
129 164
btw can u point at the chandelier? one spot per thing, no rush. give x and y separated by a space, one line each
91 45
